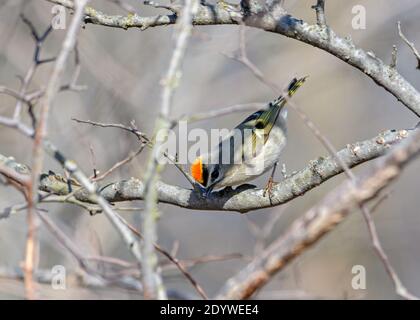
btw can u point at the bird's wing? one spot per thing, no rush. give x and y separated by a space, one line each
261 123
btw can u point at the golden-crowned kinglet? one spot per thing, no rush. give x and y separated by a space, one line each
249 150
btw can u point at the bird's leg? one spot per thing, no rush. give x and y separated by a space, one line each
268 188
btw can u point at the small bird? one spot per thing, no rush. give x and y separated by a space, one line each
249 150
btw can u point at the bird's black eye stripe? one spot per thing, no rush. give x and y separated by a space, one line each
205 175
259 124
215 174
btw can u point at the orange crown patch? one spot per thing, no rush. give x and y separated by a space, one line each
197 170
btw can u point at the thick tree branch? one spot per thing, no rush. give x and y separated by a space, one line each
241 199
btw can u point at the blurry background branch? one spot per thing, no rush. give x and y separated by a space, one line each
152 281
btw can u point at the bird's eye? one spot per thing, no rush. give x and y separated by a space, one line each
215 174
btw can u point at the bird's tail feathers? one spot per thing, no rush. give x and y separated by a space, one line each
293 86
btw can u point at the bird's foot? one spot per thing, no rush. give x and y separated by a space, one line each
269 187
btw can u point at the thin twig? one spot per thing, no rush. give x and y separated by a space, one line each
394 59
410 44
144 140
72 85
26 81
117 165
40 134
242 57
320 12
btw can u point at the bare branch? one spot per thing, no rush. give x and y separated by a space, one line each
281 22
119 164
400 289
241 199
410 44
72 85
242 57
320 12
124 5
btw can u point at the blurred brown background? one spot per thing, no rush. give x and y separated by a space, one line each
122 70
